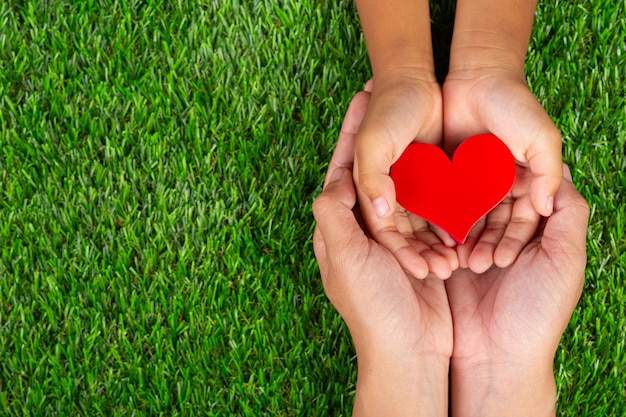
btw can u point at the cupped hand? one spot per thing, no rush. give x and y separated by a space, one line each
384 308
498 101
402 109
518 314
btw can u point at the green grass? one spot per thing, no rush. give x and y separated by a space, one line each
158 161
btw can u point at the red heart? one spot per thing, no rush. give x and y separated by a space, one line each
455 194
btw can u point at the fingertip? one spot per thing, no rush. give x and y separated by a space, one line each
480 261
450 255
503 259
567 174
444 236
438 264
463 253
550 205
444 272
379 190
417 267
542 194
336 175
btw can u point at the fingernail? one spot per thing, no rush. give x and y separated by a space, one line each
380 206
550 204
336 175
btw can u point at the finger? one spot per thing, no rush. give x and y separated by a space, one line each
319 248
566 230
520 230
333 213
482 257
444 236
465 250
402 221
344 151
369 85
422 241
372 175
386 232
544 160
441 259
534 140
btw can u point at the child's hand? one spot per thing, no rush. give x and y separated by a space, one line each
401 110
498 101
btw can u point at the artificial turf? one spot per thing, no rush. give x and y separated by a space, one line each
158 161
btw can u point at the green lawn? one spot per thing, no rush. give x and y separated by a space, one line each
158 161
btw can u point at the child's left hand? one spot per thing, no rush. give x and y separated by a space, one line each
383 122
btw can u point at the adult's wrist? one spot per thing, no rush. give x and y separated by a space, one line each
507 388
400 384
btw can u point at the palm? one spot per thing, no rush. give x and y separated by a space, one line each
379 302
403 112
508 313
405 312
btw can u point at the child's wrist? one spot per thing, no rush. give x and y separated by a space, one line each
472 56
404 63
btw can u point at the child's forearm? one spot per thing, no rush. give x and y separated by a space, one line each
397 34
491 33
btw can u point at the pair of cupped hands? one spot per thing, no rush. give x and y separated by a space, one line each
400 283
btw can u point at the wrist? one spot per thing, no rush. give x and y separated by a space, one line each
404 62
507 388
480 51
401 384
491 34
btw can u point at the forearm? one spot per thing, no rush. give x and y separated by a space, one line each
495 390
491 33
397 34
388 386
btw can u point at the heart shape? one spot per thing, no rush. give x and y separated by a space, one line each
455 194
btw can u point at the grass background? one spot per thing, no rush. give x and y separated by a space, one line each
158 161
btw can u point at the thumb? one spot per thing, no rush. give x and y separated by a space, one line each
565 231
544 161
372 161
533 138
333 213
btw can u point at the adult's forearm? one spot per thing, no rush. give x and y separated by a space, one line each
397 34
503 390
491 33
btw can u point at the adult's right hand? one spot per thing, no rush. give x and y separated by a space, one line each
508 321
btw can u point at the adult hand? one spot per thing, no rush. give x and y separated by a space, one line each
403 108
508 322
401 326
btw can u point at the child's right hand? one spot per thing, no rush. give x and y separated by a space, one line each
401 110
498 101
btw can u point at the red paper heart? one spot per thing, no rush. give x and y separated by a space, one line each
455 194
